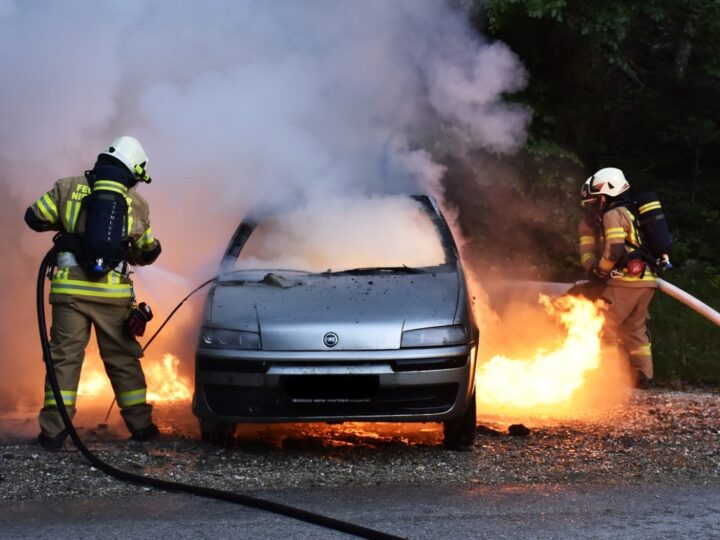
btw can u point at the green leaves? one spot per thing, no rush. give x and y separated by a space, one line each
634 85
500 11
684 343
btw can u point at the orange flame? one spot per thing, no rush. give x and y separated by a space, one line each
93 383
165 384
549 380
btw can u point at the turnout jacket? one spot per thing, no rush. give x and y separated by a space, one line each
60 210
607 245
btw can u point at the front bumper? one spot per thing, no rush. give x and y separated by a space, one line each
406 385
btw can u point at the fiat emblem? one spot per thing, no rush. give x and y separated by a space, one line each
331 339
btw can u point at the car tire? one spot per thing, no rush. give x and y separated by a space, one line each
459 433
220 434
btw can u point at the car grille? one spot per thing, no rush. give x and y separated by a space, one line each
325 396
398 365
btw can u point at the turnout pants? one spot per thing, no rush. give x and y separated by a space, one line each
626 324
120 353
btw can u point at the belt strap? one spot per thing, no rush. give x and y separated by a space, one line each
66 259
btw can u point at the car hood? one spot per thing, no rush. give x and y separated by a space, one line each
366 312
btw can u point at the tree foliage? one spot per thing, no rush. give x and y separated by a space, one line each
634 85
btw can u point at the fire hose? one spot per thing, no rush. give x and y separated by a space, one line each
690 301
666 287
227 496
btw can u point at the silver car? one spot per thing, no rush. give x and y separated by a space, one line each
377 342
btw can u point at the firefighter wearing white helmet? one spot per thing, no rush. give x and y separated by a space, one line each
130 153
608 181
91 286
609 236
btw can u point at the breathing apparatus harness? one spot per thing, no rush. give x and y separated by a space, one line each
653 245
46 269
654 241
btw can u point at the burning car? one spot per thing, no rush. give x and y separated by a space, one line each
303 327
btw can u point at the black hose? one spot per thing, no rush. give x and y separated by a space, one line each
152 338
238 498
196 289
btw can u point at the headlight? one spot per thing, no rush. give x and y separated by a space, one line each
435 337
229 339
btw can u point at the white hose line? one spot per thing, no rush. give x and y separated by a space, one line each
557 289
690 301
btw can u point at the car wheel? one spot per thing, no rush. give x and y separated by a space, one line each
459 433
220 434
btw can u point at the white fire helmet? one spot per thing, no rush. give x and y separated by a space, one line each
130 152
608 181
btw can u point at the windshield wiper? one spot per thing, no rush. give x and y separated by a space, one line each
379 269
266 270
228 278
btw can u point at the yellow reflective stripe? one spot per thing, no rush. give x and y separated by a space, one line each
634 236
146 239
132 397
587 257
616 235
90 284
130 214
71 214
643 350
62 285
79 291
655 205
61 274
68 396
109 185
587 240
47 208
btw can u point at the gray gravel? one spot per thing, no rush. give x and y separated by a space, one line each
660 437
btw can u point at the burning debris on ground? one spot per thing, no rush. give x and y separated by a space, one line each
659 436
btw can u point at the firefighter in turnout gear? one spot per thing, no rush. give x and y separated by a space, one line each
104 227
609 253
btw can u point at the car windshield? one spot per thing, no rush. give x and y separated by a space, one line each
391 233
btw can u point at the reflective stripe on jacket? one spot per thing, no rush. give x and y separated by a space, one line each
589 245
61 209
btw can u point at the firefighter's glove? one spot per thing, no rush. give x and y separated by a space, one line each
597 276
139 317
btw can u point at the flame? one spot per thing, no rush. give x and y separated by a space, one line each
165 384
93 383
342 435
548 380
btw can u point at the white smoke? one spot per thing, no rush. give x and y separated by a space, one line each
388 231
243 104
264 102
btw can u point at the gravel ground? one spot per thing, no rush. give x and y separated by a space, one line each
660 436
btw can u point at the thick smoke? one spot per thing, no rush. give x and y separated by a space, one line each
397 233
241 105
